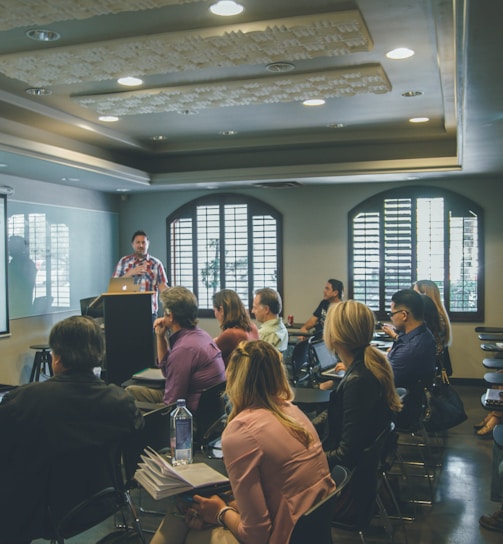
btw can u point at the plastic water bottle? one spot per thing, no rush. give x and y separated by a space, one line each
181 434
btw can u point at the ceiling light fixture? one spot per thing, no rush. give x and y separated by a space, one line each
419 120
228 132
130 81
226 8
280 67
159 138
313 102
38 91
412 94
108 118
400 53
43 35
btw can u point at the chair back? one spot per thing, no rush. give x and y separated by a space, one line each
356 504
155 433
315 524
414 403
84 488
210 409
300 362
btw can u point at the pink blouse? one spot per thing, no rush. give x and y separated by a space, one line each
275 479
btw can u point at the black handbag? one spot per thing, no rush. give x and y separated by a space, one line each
444 407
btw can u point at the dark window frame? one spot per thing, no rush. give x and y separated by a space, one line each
452 201
255 207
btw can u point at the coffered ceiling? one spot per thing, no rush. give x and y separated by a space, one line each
221 98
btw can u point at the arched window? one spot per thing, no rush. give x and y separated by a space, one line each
225 241
404 235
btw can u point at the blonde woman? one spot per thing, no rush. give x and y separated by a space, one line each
273 456
364 402
430 289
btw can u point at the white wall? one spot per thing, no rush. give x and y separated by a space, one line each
315 222
16 357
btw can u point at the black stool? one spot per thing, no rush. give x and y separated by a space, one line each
41 362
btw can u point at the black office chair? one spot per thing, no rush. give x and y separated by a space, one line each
301 363
84 488
315 524
360 500
210 410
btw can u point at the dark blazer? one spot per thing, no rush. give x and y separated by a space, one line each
357 413
40 421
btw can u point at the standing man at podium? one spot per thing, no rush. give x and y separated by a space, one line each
147 270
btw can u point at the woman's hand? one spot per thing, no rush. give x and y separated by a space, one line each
208 508
340 366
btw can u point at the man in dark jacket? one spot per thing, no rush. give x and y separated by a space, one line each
41 421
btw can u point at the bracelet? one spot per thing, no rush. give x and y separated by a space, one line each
221 513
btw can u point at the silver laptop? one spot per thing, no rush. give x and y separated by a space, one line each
123 285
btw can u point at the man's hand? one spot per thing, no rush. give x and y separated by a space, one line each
137 270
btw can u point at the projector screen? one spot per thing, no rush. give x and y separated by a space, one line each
4 303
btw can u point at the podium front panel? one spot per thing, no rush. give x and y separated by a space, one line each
129 335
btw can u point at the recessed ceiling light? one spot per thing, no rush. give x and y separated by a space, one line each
3 165
226 8
108 118
130 81
38 91
159 138
122 190
412 94
419 120
335 125
73 180
313 102
400 53
43 35
280 67
228 132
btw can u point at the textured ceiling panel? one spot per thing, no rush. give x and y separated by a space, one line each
28 13
342 82
289 39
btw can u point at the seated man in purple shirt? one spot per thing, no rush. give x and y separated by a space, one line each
190 360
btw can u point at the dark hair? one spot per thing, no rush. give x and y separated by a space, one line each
410 300
139 233
270 297
182 304
337 285
234 311
79 341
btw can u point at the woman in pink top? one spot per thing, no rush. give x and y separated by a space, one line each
273 457
234 321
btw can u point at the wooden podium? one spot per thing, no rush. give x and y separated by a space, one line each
129 336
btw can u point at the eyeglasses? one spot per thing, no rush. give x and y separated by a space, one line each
391 314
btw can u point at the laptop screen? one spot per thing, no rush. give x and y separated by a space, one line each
325 358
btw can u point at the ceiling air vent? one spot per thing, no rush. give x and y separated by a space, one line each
277 184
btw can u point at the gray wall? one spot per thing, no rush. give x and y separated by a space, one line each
315 222
315 248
